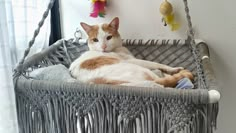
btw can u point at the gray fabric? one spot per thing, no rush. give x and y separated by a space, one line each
52 73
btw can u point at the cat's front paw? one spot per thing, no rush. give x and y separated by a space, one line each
187 74
175 70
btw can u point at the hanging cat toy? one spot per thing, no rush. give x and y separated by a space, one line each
166 10
98 8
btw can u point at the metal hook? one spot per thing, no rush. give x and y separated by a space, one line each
78 34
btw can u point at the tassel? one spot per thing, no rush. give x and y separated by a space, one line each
57 115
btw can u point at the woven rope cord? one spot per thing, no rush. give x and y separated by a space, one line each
193 44
188 17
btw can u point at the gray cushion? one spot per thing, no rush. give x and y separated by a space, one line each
55 72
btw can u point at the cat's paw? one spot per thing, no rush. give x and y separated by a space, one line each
175 70
187 74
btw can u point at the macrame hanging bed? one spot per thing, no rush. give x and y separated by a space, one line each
67 107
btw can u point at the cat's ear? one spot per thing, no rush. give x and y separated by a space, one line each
115 23
86 27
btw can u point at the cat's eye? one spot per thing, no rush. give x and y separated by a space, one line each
95 39
109 37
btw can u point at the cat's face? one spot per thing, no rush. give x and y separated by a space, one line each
103 37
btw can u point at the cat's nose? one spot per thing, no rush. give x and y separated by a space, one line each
104 46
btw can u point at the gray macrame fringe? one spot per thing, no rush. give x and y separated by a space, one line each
56 115
59 111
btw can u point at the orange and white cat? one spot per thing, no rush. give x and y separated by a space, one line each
108 62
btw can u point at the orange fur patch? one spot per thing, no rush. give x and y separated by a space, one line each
107 28
93 33
98 62
107 81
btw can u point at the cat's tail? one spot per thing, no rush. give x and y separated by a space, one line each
172 80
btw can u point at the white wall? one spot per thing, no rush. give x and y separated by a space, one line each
214 21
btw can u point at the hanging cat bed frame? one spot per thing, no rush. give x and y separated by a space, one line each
58 107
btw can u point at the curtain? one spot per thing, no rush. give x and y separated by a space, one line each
18 19
27 14
55 23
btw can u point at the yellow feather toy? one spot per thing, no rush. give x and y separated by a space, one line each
166 10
